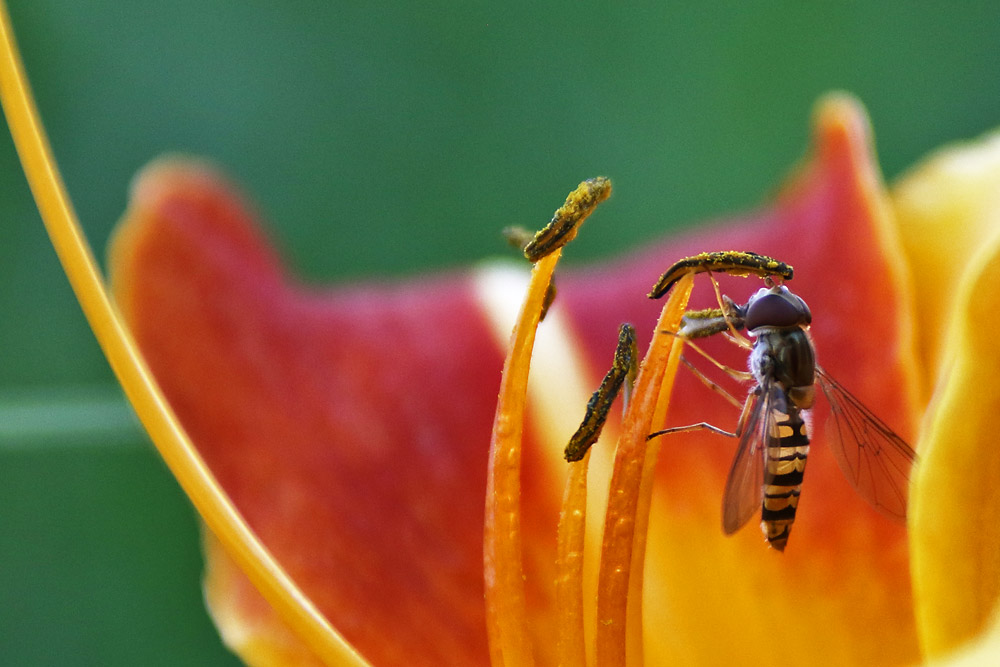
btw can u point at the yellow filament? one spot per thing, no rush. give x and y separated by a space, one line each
571 647
506 607
634 624
173 444
623 517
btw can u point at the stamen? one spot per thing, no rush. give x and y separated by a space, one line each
627 514
733 262
600 403
634 625
519 237
505 598
506 608
566 221
571 647
570 644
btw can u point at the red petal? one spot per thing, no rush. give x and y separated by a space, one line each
351 429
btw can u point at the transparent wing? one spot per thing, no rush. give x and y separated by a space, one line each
875 460
745 485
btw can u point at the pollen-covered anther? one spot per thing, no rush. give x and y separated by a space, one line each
733 262
567 219
624 365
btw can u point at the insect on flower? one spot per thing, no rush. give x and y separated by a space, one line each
767 471
625 362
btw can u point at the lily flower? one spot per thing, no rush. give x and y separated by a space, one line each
337 442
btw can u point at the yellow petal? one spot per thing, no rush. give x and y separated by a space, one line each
955 505
948 208
246 622
983 652
949 214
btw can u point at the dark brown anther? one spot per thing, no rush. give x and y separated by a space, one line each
517 236
599 405
733 262
550 296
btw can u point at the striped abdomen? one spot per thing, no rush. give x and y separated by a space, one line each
784 465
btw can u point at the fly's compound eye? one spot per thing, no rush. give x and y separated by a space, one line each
780 309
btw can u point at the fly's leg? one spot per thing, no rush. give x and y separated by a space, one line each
733 262
742 376
705 380
623 371
705 426
700 426
702 324
725 319
730 313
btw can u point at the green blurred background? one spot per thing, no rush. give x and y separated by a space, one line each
409 135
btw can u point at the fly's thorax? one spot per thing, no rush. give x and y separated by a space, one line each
786 357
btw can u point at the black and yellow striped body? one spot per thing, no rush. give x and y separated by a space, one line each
783 361
784 465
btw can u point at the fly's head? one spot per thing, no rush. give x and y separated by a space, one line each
777 308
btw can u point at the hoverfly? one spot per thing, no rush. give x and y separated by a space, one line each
626 358
767 470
